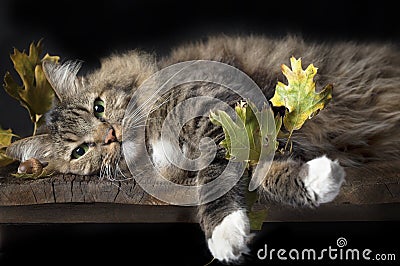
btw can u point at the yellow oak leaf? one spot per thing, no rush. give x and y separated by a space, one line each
299 96
5 141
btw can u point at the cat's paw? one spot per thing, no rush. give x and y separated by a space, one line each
324 179
229 239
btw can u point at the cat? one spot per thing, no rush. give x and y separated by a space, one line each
360 124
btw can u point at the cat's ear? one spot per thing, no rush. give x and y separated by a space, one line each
39 147
63 78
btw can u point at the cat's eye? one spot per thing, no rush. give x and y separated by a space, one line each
98 108
80 151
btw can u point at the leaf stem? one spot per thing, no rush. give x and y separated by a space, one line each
34 128
288 139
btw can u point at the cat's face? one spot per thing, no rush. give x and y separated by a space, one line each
86 128
85 124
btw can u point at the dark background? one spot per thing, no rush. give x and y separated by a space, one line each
90 30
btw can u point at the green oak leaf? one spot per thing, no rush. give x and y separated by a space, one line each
244 137
236 141
256 216
257 219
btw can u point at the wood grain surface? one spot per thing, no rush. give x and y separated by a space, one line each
370 193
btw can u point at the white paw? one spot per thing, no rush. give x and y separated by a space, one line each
324 179
229 239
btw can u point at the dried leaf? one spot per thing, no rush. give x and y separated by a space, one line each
5 141
36 93
299 96
43 173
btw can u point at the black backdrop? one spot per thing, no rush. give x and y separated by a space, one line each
90 30
87 31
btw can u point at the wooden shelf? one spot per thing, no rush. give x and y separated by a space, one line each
371 193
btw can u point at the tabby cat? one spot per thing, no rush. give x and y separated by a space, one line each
361 123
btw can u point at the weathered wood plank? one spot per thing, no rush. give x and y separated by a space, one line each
336 212
95 213
69 188
372 193
133 213
375 184
380 183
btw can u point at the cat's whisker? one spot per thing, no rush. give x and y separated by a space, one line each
169 98
125 193
145 104
140 116
106 169
109 173
139 123
140 173
102 170
155 108
125 177
144 115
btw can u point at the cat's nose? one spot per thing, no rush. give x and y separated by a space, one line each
110 136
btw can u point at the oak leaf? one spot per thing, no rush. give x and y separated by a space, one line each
5 140
248 134
299 96
35 93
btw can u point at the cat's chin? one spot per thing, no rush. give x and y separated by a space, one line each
112 162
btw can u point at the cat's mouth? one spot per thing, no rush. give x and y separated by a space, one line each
111 162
